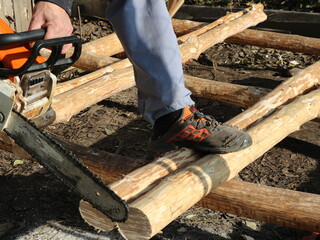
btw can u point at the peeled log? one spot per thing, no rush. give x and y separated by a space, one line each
174 6
286 91
264 39
206 27
109 45
268 204
90 93
194 46
69 85
239 95
129 190
180 191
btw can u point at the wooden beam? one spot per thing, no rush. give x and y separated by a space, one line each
109 45
187 28
180 191
244 199
236 197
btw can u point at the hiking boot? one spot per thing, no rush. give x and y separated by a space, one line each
195 130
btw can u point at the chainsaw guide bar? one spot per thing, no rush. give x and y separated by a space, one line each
66 167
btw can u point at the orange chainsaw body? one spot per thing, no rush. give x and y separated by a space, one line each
14 56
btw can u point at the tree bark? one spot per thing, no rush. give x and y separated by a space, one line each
180 191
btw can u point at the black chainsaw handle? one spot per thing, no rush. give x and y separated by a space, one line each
56 58
23 37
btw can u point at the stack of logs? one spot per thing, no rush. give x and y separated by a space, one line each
160 191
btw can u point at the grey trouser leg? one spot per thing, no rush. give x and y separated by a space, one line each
145 30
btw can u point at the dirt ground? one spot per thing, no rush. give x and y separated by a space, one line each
31 197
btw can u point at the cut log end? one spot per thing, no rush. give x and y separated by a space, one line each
95 218
137 226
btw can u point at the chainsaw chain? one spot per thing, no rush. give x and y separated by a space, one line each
72 158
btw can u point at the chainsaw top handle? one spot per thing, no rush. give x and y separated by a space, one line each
18 38
18 58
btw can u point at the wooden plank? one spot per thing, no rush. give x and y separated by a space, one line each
301 23
23 13
6 12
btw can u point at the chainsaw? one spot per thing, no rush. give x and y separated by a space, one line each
27 85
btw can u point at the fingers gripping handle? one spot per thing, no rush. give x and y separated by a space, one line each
54 60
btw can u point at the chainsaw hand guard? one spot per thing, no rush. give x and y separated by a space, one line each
19 41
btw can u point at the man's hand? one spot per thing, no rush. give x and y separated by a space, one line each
54 18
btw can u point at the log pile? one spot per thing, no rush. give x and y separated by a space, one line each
154 190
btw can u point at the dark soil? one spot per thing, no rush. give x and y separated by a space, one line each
32 197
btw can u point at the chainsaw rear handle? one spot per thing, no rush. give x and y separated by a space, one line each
23 37
56 45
